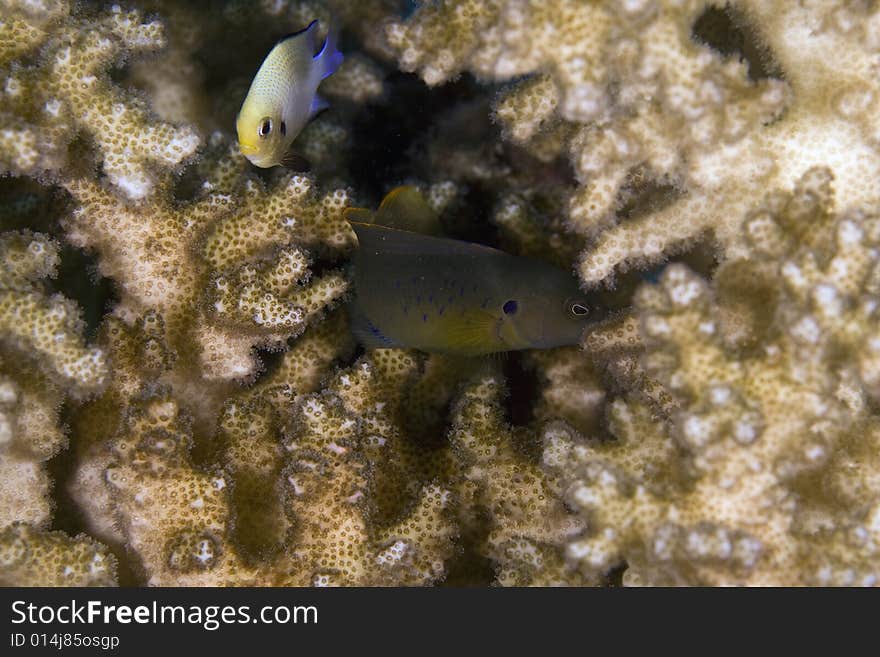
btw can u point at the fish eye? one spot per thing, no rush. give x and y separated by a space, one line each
265 128
510 307
578 309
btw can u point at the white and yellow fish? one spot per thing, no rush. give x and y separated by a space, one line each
284 95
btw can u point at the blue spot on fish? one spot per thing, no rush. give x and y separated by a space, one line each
461 291
424 317
442 310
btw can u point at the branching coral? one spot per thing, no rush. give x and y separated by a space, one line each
29 435
772 377
34 323
629 95
44 107
44 358
719 426
150 251
32 558
527 519
307 496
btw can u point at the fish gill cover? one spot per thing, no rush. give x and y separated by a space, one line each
181 399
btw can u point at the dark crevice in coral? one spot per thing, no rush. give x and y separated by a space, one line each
700 256
269 358
523 387
119 74
78 279
427 432
426 412
355 356
324 262
729 31
257 531
614 577
390 136
602 431
84 160
748 304
468 568
556 173
620 296
643 195
67 516
474 225
27 205
187 187
205 447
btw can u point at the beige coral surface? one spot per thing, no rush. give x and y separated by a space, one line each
182 401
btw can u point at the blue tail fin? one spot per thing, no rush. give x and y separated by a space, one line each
318 105
329 58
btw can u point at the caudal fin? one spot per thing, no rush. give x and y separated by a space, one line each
329 58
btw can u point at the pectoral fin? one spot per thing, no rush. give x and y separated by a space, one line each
295 161
474 333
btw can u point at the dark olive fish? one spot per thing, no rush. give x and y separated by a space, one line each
448 296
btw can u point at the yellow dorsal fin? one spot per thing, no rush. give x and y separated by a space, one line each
406 209
359 215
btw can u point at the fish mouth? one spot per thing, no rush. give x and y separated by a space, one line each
255 157
247 149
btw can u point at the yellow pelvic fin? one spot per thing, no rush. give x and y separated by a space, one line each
406 209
